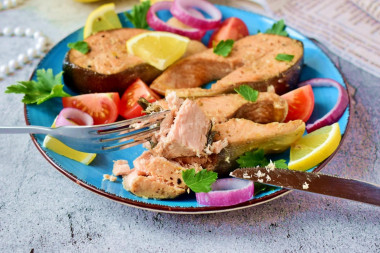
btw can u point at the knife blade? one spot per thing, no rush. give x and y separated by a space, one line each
313 182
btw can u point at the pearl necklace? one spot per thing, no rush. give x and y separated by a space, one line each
41 43
7 4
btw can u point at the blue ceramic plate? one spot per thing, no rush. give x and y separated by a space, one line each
317 64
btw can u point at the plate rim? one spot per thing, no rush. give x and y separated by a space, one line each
187 210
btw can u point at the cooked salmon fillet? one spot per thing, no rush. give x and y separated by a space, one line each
157 173
251 61
269 107
108 67
188 133
156 177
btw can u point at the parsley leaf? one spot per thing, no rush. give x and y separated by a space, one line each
278 28
46 87
138 15
199 182
252 159
224 47
247 92
259 187
280 164
284 57
257 158
80 46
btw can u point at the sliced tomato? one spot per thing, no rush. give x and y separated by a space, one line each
129 108
300 103
103 107
231 28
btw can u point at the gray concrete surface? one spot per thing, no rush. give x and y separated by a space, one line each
42 210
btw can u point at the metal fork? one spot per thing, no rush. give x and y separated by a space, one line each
100 138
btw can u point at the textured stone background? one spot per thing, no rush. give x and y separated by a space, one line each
41 209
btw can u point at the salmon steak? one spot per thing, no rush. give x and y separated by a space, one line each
252 61
188 139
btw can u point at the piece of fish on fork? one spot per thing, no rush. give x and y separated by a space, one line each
100 138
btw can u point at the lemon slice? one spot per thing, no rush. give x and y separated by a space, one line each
101 19
159 49
60 148
314 147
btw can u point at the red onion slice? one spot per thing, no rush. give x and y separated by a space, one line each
159 25
180 10
73 117
227 192
337 111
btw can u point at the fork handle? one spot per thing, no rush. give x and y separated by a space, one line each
26 130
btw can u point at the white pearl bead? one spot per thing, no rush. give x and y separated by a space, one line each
29 32
4 69
37 35
7 4
12 65
31 53
7 31
21 59
42 40
19 31
40 47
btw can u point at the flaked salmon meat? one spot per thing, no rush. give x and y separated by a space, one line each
187 139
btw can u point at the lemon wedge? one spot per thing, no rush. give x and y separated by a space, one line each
60 148
101 19
159 49
314 147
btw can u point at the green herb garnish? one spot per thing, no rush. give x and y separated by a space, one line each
138 15
284 57
199 182
278 28
47 86
224 47
259 187
257 158
80 46
247 92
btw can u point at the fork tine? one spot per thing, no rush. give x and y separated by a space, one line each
137 136
124 146
127 125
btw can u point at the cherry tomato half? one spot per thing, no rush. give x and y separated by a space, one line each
129 108
231 28
103 107
300 103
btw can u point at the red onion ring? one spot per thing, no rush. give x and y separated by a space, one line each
180 10
73 117
227 192
337 111
159 25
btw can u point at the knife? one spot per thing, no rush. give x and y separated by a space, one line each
313 182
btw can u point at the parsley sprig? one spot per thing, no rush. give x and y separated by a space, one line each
223 48
247 92
284 57
138 15
257 158
200 181
46 87
80 46
278 28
